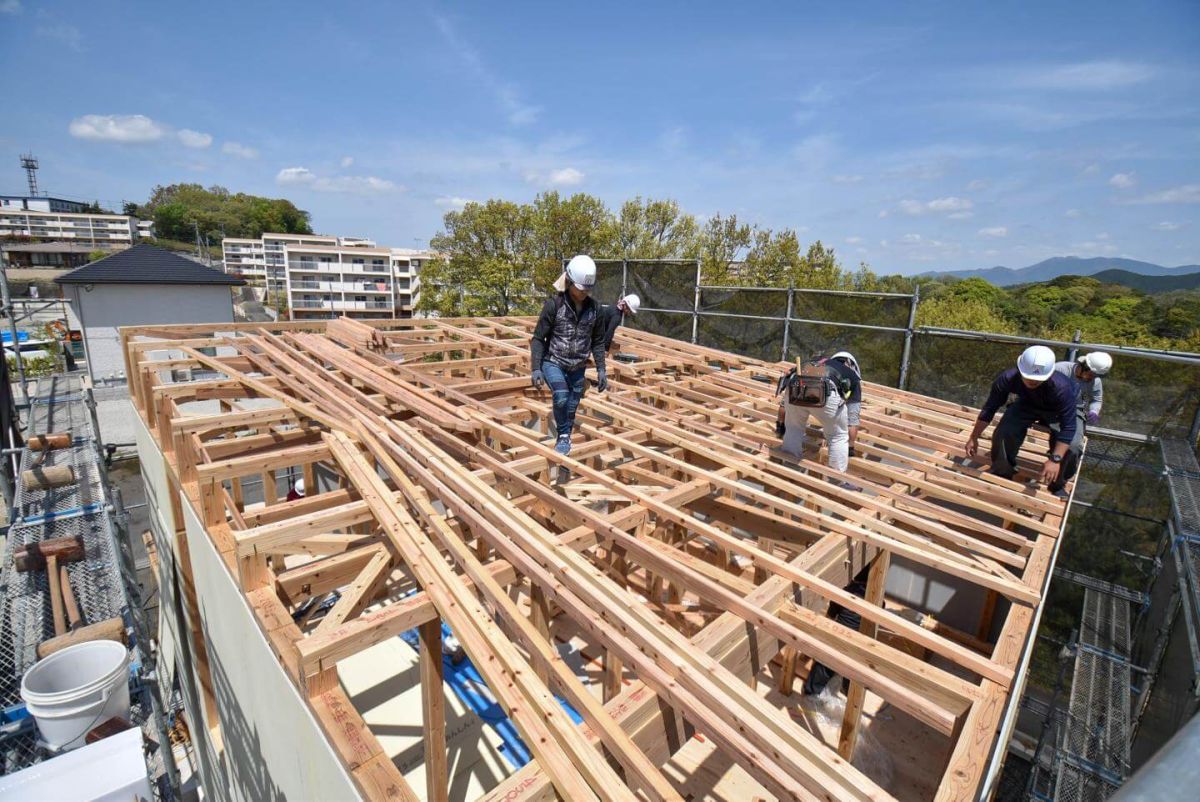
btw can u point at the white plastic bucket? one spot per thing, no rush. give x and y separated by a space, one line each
76 689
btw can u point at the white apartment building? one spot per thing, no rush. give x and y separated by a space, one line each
101 230
325 281
325 276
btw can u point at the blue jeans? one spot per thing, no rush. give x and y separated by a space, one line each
567 387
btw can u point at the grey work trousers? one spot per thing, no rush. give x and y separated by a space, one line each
1010 434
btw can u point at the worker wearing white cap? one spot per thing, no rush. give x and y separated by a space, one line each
613 316
1085 373
1042 396
568 331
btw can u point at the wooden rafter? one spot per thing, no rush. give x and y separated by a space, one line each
675 537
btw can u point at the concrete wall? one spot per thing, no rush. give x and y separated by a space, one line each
109 306
271 747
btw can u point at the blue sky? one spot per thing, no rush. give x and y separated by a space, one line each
912 135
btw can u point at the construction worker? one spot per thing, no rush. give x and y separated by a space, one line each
296 491
837 405
1085 372
1043 396
613 316
568 330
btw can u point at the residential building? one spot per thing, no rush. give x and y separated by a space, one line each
261 261
40 203
325 276
45 255
142 285
326 281
100 230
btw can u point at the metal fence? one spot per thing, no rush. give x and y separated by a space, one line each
1148 392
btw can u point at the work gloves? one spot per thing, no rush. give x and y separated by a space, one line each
780 428
602 381
1093 418
537 379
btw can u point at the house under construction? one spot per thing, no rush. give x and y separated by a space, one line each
639 615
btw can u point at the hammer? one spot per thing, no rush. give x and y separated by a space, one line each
53 555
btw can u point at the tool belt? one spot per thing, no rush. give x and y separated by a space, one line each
808 387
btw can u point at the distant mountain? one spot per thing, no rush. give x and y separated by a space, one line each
1150 284
1066 266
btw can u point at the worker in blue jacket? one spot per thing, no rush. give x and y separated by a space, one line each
1042 396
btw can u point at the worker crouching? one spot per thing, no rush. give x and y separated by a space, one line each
1043 396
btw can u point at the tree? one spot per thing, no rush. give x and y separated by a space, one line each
489 255
722 241
654 229
773 259
565 228
219 213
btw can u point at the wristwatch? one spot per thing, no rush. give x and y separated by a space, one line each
1056 457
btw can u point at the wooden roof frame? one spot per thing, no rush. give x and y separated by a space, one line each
446 491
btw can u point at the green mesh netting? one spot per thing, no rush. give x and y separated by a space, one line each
851 309
759 339
677 325
764 303
663 285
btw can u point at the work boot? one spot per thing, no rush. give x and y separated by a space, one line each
847 485
563 445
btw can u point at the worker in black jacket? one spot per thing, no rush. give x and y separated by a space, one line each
613 316
567 332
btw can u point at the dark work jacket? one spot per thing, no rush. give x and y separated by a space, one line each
611 318
567 337
1053 398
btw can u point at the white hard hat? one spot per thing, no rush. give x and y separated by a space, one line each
632 303
1036 363
581 271
299 487
849 358
1097 362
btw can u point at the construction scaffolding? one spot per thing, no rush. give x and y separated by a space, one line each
675 539
100 582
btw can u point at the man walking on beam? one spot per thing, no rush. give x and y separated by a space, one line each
568 331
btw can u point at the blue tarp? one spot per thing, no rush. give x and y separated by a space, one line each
6 336
469 686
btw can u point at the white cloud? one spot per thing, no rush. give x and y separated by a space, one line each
345 184
239 150
1088 76
10 6
994 232
1122 180
290 176
1092 246
505 94
1187 193
68 35
1074 214
565 177
347 161
1167 225
127 128
847 179
194 139
453 202
954 207
854 240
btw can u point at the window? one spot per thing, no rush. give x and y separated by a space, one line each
358 261
377 262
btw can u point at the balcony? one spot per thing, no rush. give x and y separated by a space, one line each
340 304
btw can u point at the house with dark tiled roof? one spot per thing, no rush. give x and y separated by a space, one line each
141 286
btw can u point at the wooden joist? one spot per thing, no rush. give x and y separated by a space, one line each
423 452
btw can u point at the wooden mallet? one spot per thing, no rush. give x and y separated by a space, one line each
53 555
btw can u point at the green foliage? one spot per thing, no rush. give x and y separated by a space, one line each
98 254
501 257
37 366
654 229
178 209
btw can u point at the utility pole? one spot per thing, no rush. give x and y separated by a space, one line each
196 227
